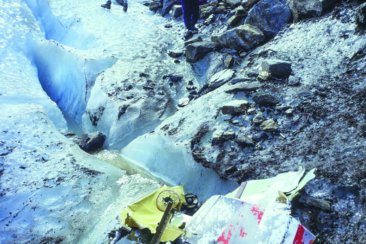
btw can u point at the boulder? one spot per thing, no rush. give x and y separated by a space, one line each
244 37
361 15
177 11
302 9
235 107
275 69
92 142
265 99
270 16
198 50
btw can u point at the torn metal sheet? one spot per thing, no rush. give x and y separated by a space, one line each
148 212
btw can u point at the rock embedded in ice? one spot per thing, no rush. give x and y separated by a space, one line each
92 142
235 107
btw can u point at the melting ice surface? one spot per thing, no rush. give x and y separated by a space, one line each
57 49
52 53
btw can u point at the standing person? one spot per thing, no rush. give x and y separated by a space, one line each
108 4
191 14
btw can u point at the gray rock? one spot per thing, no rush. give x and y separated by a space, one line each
229 61
220 78
235 107
155 5
219 136
209 19
265 99
233 3
244 140
207 10
260 136
244 87
361 15
234 20
294 81
315 202
258 118
92 142
270 16
248 4
198 50
183 102
193 40
275 69
175 53
244 37
302 9
177 11
268 125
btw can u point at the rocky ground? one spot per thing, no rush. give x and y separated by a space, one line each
284 88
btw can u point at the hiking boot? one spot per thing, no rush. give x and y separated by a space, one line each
125 6
107 5
188 35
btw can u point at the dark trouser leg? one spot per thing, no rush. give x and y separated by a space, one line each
187 13
195 12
